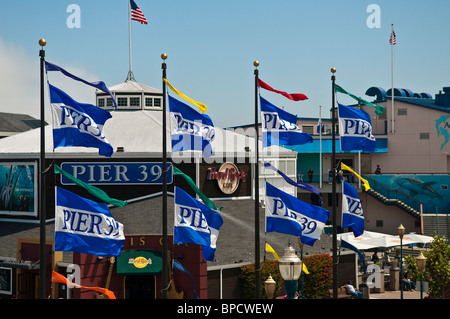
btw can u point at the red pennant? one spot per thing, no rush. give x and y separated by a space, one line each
293 96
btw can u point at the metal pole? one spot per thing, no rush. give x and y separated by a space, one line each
333 169
257 244
401 267
165 272
42 213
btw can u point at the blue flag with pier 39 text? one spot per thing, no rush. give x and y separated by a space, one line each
352 213
195 223
288 215
355 130
191 130
85 226
78 124
279 127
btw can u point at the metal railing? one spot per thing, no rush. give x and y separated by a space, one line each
393 193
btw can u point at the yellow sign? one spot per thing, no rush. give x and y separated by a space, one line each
140 262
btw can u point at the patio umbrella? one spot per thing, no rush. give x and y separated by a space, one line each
418 239
386 241
359 242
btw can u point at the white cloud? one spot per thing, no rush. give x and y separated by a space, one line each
20 84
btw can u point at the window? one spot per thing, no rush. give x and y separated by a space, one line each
424 136
379 223
109 102
308 129
402 112
101 102
157 102
148 102
122 101
135 101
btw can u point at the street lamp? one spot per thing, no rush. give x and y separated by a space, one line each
290 268
421 262
401 233
269 286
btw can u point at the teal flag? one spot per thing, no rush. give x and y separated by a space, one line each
379 109
202 196
97 192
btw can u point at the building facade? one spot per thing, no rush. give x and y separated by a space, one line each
132 174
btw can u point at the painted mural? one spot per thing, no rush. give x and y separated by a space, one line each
18 189
442 128
431 190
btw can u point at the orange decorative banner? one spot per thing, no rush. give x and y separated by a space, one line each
63 280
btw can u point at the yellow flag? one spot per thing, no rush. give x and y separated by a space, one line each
366 183
305 270
201 107
269 249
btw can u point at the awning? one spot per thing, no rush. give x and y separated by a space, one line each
136 262
327 146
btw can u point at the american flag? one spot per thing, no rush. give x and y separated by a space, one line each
392 39
136 13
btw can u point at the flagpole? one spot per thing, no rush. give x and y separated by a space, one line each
130 75
392 81
257 237
333 168
320 146
42 213
165 272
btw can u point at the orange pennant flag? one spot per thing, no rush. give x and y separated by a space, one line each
56 277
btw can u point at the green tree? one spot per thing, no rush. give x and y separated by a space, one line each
438 267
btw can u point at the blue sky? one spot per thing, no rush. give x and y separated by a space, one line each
212 45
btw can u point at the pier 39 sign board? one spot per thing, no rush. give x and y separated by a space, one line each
117 173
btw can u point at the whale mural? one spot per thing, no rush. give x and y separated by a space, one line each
430 190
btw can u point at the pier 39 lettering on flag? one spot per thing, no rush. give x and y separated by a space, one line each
78 124
355 129
195 223
279 127
85 226
288 215
191 130
352 212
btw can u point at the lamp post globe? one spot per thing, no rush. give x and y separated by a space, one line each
290 268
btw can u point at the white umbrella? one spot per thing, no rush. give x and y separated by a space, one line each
359 242
418 239
386 241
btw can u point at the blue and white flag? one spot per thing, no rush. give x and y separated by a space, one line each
195 223
288 215
355 130
85 226
305 186
279 127
99 84
352 213
191 130
78 124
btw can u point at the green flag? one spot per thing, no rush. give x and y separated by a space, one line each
379 109
202 196
97 192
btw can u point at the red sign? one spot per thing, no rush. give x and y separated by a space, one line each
228 177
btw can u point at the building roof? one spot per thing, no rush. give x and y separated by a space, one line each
138 133
11 123
131 86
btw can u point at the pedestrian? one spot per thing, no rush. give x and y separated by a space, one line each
310 174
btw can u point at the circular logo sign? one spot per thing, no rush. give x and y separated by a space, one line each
228 178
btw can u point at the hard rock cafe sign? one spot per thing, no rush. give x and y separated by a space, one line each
228 177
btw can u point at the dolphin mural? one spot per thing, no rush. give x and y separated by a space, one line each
417 187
